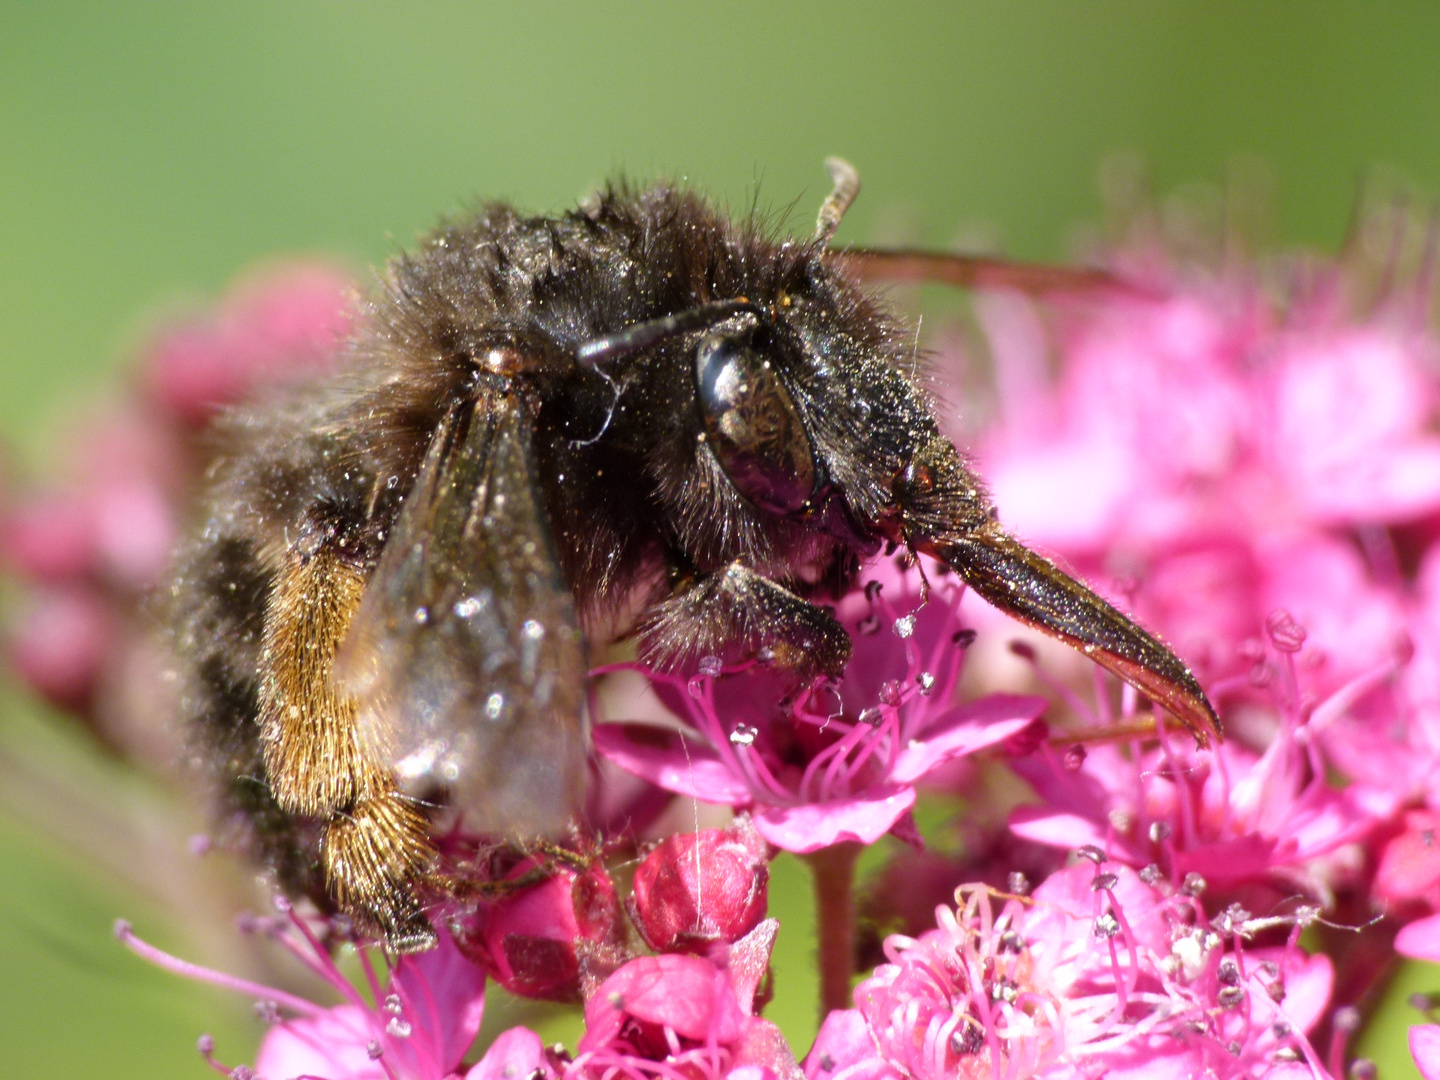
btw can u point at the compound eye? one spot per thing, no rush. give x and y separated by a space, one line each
752 425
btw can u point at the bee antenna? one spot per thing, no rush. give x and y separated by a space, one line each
846 185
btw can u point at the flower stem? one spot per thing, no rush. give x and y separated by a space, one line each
834 870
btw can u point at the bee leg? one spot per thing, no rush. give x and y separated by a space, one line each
375 844
739 607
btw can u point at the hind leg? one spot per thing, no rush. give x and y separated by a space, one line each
375 847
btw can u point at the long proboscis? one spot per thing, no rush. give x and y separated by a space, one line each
1032 589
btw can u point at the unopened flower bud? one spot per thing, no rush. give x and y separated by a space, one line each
696 889
529 940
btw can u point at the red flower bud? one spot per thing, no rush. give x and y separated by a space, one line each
696 889
532 941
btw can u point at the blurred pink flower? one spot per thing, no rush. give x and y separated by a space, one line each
1223 453
1425 1048
93 542
1408 873
271 327
1420 940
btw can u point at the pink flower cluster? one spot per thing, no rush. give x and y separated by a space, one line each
690 1008
1248 460
1098 972
90 547
839 763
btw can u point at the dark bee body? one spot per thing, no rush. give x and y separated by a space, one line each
549 423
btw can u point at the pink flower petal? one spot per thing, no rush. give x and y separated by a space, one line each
686 994
447 993
763 1053
48 538
1309 981
965 730
62 643
333 1045
813 826
1420 940
1221 862
844 1045
1425 1049
515 1054
672 760
750 960
1060 830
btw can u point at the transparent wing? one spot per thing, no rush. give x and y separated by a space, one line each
465 654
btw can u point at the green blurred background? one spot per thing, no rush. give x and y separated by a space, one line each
152 152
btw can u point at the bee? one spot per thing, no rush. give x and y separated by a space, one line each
637 413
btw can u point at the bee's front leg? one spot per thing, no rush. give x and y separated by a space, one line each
736 607
375 844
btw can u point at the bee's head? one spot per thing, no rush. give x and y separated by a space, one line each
804 403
